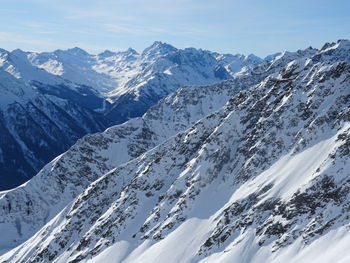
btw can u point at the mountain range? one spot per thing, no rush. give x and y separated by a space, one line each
51 99
251 169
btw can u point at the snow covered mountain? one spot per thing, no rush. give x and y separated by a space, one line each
35 128
132 82
234 64
96 154
116 85
164 70
254 180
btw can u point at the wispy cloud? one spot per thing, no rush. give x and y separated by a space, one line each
20 40
222 24
44 44
12 11
132 29
132 16
42 28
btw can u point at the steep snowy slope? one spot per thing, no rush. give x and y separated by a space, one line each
36 128
34 203
265 176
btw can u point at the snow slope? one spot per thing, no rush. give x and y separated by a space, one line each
66 176
261 178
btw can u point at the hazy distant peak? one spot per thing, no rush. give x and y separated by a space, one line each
76 51
107 53
158 48
19 52
131 51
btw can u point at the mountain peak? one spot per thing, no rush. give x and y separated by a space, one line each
158 48
343 44
18 52
272 56
107 53
131 51
253 58
76 51
340 44
337 51
158 43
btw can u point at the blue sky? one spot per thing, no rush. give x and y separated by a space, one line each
261 27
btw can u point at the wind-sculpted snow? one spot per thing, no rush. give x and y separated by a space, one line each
27 208
257 180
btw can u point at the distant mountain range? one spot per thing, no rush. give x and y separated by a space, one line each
251 169
51 99
123 78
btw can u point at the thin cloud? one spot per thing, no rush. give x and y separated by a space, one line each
42 28
43 44
12 11
132 29
17 39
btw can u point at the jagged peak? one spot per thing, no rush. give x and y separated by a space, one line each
289 55
162 44
340 44
159 48
107 53
131 51
252 57
284 54
19 51
76 51
343 42
272 56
